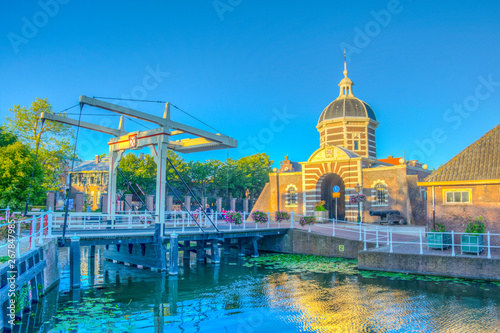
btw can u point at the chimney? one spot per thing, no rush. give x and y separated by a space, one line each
96 159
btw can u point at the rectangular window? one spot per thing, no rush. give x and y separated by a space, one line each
457 196
356 145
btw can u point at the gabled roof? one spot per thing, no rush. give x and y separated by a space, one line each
479 161
92 166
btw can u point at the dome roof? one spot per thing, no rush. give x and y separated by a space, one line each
347 107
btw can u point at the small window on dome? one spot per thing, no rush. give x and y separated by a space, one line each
356 145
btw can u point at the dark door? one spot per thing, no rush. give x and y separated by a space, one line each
327 185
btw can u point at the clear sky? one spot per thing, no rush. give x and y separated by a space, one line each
263 71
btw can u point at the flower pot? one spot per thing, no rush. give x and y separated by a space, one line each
321 216
439 240
472 243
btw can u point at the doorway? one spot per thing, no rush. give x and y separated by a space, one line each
331 204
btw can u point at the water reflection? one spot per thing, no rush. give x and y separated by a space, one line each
234 298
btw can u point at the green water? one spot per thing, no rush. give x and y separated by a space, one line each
243 295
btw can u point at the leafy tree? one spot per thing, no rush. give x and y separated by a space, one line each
6 138
53 139
16 166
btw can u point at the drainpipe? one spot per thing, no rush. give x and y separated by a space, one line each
433 209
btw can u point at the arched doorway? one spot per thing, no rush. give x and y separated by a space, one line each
326 184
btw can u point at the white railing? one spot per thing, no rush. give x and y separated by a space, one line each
40 228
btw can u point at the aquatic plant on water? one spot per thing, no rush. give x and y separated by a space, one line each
233 217
307 220
280 216
94 315
259 216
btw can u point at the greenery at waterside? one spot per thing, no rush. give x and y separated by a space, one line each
301 263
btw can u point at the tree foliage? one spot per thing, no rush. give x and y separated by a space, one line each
53 139
16 166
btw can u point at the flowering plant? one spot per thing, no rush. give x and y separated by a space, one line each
306 220
357 198
233 217
281 216
259 216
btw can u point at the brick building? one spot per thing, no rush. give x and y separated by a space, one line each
347 158
91 178
467 186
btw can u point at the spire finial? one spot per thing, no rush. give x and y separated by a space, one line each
345 64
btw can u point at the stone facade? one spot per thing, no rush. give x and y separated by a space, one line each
347 161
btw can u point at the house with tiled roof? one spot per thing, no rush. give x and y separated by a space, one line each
467 186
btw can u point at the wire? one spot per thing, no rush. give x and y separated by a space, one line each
96 114
163 102
68 109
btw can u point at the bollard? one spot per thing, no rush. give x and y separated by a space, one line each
173 262
74 262
309 228
215 255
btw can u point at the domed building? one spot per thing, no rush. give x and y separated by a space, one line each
345 164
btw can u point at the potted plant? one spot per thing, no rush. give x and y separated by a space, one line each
281 216
259 216
472 241
438 238
320 211
307 220
233 217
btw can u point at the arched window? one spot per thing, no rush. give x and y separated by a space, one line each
291 196
380 194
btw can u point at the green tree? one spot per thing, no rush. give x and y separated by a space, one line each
6 138
16 166
53 139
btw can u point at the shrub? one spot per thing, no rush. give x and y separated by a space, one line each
475 226
281 216
233 217
320 209
439 228
259 216
306 220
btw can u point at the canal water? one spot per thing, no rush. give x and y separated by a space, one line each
243 296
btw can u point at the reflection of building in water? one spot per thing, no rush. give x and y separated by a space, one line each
347 160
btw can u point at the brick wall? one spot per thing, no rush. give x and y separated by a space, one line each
485 201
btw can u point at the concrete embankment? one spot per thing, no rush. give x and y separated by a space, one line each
461 266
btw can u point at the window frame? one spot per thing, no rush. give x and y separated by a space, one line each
453 193
288 195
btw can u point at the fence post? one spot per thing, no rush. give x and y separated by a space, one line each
268 218
183 222
40 240
364 246
309 227
333 228
489 245
18 239
360 232
216 219
452 243
49 224
32 233
244 221
291 219
390 240
387 235
129 219
376 235
421 248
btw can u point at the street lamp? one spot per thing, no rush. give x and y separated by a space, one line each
358 189
277 171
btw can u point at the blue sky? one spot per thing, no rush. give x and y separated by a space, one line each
263 71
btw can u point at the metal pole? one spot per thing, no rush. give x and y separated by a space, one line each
291 219
390 242
364 247
421 246
333 228
360 232
489 245
452 243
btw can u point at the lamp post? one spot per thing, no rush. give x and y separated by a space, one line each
358 189
278 186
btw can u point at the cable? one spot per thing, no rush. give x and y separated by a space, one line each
183 206
68 108
192 194
63 241
163 102
130 184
